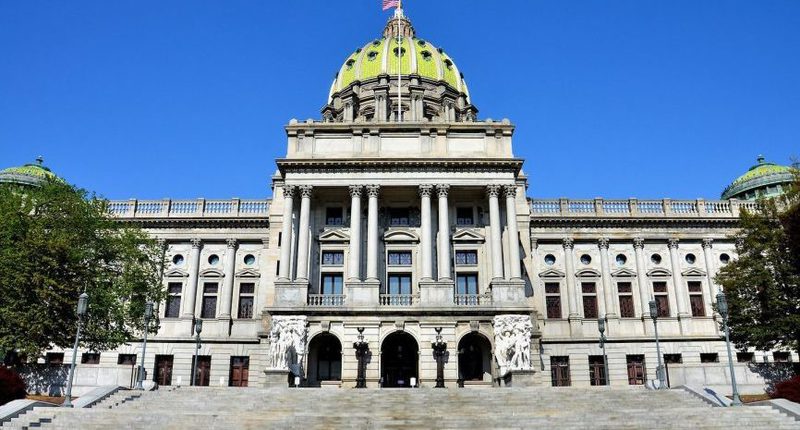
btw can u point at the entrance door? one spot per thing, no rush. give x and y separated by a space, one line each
636 374
163 373
203 370
240 371
474 358
399 360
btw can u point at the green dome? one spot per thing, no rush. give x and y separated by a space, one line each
29 174
762 179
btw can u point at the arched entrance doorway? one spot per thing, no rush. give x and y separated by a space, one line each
399 360
324 359
474 358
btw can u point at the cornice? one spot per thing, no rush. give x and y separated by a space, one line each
635 222
188 223
355 165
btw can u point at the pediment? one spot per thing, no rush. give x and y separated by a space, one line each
400 236
334 235
176 273
587 273
468 235
212 273
658 273
623 273
552 273
693 271
248 273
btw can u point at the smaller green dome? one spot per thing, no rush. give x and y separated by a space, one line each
29 174
764 179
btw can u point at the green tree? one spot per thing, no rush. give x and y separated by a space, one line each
55 242
763 284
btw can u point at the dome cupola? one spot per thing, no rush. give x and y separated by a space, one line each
763 179
28 174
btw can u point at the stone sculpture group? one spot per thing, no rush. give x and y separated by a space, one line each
512 340
287 342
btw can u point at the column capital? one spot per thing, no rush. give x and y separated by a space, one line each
196 242
306 190
161 243
289 191
493 191
231 242
707 242
510 190
534 243
425 190
356 190
638 242
568 243
265 242
373 190
672 243
602 243
442 189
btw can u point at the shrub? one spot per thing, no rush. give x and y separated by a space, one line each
12 387
789 390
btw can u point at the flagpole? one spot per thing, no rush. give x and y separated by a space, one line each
399 57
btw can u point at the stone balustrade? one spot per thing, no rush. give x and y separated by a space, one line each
198 208
336 300
635 208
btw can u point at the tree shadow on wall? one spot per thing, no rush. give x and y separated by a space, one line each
45 379
773 373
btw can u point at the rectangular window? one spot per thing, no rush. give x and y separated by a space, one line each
126 359
240 371
467 283
333 216
332 258
464 216
597 370
399 284
559 371
625 292
673 358
661 298
635 369
173 308
589 290
246 299
398 216
209 305
332 283
552 294
781 357
466 258
54 358
203 375
90 358
709 357
696 298
745 357
399 258
163 371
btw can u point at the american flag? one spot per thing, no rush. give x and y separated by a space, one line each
388 4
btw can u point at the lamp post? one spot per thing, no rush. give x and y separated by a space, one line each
662 383
198 328
362 349
722 307
439 350
148 314
601 326
83 305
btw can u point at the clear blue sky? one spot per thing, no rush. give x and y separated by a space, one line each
188 99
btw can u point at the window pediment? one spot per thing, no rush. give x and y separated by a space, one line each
693 271
248 273
176 273
212 273
400 235
587 273
334 235
552 273
623 273
659 273
468 235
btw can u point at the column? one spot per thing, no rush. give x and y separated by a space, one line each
444 233
372 232
191 282
513 232
493 191
710 271
679 291
426 229
227 282
608 287
355 233
572 294
641 277
303 233
286 232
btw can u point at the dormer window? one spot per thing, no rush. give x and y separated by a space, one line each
421 43
350 63
426 55
449 64
402 52
372 55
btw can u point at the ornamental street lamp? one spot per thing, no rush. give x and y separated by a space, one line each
662 383
601 326
362 349
439 350
148 314
722 307
83 305
198 328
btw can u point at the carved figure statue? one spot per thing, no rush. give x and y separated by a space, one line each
512 342
287 342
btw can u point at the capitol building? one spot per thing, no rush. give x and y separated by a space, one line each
401 220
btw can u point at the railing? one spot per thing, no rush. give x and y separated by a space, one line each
199 208
635 208
396 299
326 299
472 299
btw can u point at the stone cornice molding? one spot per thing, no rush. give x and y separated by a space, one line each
634 222
442 190
202 223
385 165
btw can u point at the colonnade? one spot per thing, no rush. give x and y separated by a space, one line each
225 293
